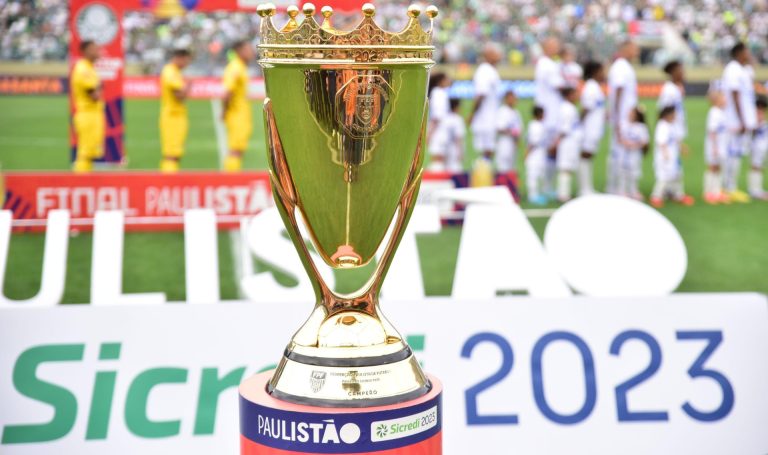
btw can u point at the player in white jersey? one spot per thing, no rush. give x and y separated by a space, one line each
571 71
487 83
666 162
568 144
738 85
622 98
447 143
673 94
593 115
536 157
759 151
548 80
439 83
439 108
715 150
509 126
636 140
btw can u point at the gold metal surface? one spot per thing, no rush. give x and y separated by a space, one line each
345 117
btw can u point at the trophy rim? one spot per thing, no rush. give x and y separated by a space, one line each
419 47
368 361
356 403
267 62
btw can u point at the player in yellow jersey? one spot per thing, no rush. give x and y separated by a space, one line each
89 121
237 110
174 122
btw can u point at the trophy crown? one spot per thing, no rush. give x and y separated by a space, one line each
309 40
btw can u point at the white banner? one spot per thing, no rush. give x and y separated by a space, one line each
684 374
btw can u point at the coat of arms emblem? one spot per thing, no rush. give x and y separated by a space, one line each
362 104
317 380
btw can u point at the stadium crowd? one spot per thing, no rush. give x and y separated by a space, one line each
35 30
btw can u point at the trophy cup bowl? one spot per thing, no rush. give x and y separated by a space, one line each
345 120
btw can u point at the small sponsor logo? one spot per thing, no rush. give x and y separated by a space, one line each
387 430
382 431
317 380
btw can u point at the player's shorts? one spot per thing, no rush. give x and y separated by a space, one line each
239 129
506 155
550 136
536 164
173 134
89 128
568 155
591 143
454 162
483 139
758 153
667 170
616 151
632 163
712 160
738 144
535 169
437 147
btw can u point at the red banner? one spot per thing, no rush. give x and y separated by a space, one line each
150 201
33 85
153 201
101 22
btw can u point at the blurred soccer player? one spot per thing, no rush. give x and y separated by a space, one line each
509 126
237 110
89 108
487 83
568 143
759 150
593 115
174 123
673 94
572 71
738 85
666 161
536 157
622 98
548 80
636 140
447 143
439 107
715 150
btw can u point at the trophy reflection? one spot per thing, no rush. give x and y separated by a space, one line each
345 118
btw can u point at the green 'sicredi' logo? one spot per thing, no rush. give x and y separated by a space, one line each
66 407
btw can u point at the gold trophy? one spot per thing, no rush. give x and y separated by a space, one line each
345 117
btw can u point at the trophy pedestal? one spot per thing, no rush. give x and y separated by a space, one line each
269 426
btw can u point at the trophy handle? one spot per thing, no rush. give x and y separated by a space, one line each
286 200
405 209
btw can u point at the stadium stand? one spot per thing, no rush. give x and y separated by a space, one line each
699 31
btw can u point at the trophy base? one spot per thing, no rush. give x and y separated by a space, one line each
357 382
269 426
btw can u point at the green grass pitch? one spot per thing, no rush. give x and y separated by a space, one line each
726 244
